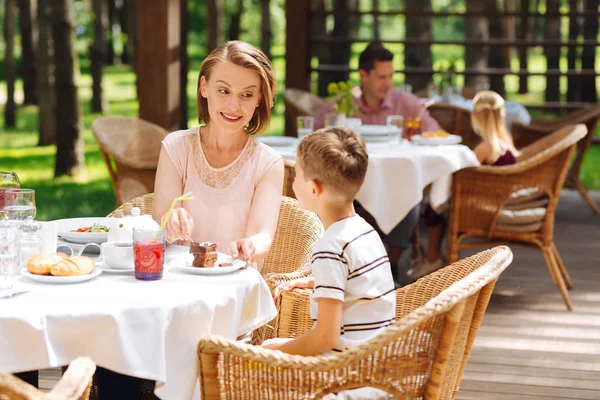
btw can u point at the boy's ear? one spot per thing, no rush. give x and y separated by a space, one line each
316 188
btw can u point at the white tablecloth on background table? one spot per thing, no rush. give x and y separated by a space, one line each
398 173
139 328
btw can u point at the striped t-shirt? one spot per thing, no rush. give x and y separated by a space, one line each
350 264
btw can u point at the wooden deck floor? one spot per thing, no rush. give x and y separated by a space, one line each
529 347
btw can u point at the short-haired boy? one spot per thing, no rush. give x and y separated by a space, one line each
353 291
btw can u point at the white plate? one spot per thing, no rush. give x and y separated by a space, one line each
375 133
61 279
448 140
278 141
117 271
185 265
64 227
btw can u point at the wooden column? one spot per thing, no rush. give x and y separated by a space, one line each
297 51
158 62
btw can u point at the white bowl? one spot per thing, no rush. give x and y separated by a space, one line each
118 255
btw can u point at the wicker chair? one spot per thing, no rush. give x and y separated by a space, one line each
299 102
527 134
74 385
479 195
457 121
423 355
145 203
130 148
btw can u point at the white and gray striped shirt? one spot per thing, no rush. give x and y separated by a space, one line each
350 264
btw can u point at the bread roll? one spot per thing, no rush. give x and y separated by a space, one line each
79 265
41 264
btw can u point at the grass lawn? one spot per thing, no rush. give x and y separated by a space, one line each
91 194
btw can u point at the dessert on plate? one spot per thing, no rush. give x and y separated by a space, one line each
205 254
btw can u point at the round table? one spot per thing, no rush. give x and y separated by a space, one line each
143 329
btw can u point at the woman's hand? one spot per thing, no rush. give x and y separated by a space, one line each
302 283
180 225
243 249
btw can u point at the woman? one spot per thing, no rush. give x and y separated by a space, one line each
236 181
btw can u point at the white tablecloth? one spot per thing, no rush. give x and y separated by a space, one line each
143 329
397 175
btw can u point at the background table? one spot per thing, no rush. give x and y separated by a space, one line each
143 329
398 173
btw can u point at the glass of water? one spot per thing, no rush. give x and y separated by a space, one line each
8 255
395 124
304 125
19 204
8 180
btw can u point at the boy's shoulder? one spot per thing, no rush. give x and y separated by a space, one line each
342 233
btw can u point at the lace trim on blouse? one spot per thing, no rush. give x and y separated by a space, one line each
219 178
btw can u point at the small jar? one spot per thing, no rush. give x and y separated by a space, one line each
29 241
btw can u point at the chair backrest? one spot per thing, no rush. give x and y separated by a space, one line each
130 148
299 102
457 121
297 231
145 203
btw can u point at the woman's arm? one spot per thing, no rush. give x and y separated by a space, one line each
264 213
323 337
168 186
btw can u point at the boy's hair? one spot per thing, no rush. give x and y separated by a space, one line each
336 159
374 52
247 56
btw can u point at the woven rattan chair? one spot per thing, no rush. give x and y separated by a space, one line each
422 355
527 134
74 385
480 193
145 203
299 102
130 148
457 121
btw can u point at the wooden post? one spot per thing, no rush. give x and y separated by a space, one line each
158 62
523 50
297 51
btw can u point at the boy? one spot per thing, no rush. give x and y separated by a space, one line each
353 291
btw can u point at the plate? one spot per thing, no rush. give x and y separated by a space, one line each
448 140
64 227
279 141
375 133
61 279
185 265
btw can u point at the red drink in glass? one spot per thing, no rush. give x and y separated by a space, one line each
149 259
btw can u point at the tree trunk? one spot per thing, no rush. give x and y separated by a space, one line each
45 76
320 50
131 18
552 53
343 27
97 55
110 45
572 54
236 19
10 116
418 55
476 57
588 57
184 65
124 31
69 143
214 23
496 59
523 51
266 32
28 44
376 25
509 30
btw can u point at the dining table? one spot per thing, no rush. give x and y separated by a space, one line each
398 173
144 329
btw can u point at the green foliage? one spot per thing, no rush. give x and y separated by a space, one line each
342 94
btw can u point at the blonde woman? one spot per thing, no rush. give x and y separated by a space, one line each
236 180
496 149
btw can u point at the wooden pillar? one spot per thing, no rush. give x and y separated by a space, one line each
158 62
297 51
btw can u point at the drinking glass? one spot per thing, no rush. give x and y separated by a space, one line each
331 120
19 204
413 127
395 124
7 180
149 253
304 125
354 124
8 255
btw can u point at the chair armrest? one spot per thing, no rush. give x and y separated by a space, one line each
274 279
76 382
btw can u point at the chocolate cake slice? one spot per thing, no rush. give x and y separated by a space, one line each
205 254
